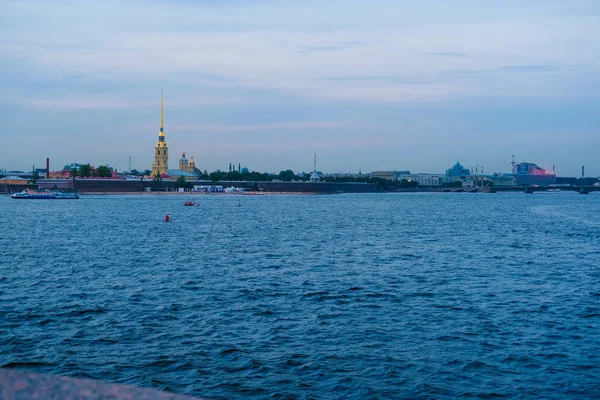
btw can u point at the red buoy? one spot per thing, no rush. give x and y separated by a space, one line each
167 218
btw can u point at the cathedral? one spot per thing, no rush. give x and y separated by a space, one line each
185 165
160 166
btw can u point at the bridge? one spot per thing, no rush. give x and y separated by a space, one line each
521 189
532 189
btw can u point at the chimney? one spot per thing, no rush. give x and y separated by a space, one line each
47 168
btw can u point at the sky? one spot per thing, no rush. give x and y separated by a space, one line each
378 85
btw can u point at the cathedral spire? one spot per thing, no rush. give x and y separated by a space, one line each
162 133
161 150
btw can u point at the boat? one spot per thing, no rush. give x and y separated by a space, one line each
66 196
30 194
554 190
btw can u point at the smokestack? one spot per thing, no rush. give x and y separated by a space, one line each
47 168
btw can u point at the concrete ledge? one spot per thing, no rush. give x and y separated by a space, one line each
21 385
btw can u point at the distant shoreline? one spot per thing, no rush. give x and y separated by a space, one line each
197 193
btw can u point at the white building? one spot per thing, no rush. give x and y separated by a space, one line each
389 175
423 179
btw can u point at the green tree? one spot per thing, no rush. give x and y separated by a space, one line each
85 171
287 175
74 172
234 176
157 178
147 172
134 172
181 182
103 171
404 184
35 177
455 184
218 176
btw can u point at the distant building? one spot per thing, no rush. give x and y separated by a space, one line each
314 177
503 180
526 173
76 166
56 183
187 169
185 165
176 173
13 180
457 171
208 188
423 179
389 175
161 150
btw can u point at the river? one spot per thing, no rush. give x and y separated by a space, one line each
425 295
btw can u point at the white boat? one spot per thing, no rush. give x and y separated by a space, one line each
32 195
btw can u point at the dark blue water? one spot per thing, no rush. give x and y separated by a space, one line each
350 296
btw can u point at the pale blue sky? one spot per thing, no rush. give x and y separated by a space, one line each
374 85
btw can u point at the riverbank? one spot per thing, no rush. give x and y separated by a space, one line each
265 194
105 186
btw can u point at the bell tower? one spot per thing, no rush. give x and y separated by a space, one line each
161 150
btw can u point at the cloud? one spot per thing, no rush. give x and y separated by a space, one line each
278 126
309 57
448 54
332 47
76 103
84 102
527 68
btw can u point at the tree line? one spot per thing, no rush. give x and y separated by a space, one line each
86 171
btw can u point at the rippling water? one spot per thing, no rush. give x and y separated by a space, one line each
349 296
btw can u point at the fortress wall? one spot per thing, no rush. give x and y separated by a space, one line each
304 187
114 186
123 186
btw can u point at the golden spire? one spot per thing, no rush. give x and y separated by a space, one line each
162 133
